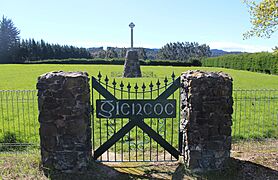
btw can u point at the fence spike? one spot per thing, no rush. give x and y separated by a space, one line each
128 86
122 85
173 76
165 80
136 87
158 83
114 83
106 79
151 85
143 86
99 75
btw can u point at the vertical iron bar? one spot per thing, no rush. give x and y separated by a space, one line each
254 126
143 88
180 134
2 111
13 115
240 113
165 121
23 117
151 94
157 122
28 110
250 113
122 124
264 114
235 117
18 118
172 120
136 128
34 117
107 120
100 119
259 114
128 90
115 126
93 115
245 120
7 110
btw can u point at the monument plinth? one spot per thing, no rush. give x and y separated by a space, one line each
132 65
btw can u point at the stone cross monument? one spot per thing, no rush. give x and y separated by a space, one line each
132 65
131 25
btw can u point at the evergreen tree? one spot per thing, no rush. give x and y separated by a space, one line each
184 51
9 41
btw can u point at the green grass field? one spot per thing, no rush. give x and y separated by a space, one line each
255 112
21 77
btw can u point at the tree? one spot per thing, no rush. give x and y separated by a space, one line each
123 52
142 53
9 41
111 53
264 18
275 50
184 51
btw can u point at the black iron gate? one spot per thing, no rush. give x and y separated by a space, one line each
118 138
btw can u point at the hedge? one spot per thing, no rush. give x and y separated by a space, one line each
116 62
258 62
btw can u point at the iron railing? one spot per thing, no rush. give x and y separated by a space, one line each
19 126
255 117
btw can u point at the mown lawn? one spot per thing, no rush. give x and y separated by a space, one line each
255 112
24 76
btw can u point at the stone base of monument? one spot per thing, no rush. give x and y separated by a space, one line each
132 65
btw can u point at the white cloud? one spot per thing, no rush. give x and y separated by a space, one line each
231 46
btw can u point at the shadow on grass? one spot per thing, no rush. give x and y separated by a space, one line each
238 169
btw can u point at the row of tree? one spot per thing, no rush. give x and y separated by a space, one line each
30 50
184 51
112 52
14 50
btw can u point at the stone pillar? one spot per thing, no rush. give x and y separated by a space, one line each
64 116
206 119
132 65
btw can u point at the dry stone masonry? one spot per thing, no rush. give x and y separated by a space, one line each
64 116
206 119
132 65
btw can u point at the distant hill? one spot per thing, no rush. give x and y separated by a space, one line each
219 52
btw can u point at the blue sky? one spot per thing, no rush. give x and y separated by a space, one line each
93 23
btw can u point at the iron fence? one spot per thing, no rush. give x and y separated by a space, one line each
19 126
255 118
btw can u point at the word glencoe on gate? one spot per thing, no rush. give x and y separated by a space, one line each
136 108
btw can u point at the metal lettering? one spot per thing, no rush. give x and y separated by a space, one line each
107 111
117 108
144 108
133 108
122 109
155 109
140 109
166 107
